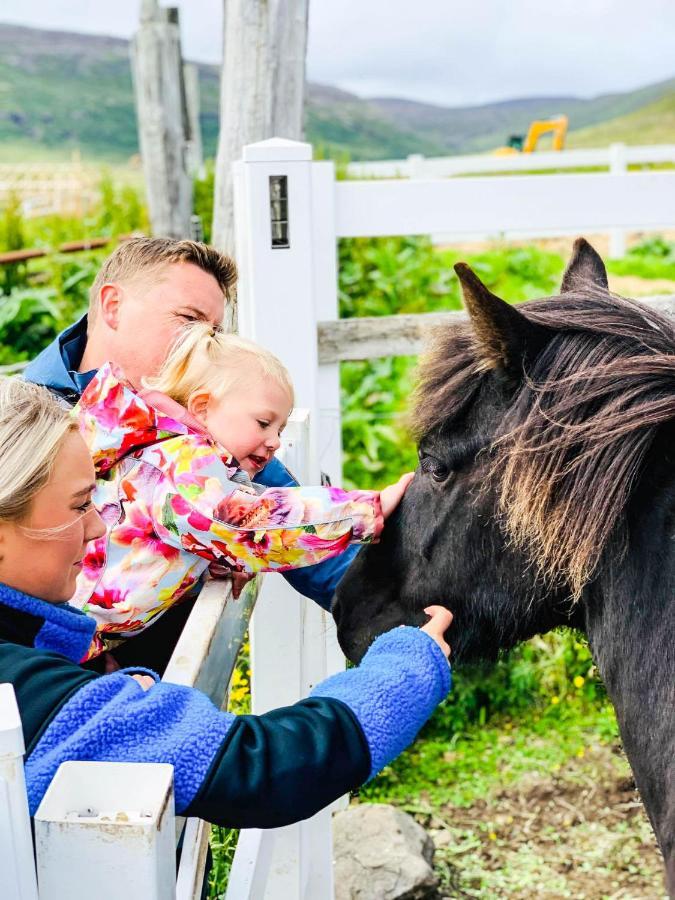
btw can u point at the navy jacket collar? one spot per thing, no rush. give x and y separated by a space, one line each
56 367
47 626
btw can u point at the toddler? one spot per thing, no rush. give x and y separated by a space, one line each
173 465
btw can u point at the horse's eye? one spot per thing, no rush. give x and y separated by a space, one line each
434 467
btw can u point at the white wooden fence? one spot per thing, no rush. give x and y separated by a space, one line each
617 158
290 211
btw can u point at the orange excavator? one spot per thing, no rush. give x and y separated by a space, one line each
557 126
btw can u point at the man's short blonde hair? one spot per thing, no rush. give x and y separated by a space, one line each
143 256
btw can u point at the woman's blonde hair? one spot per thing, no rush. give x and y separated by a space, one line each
33 425
204 357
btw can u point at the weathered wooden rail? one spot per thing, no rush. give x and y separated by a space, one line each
369 337
25 254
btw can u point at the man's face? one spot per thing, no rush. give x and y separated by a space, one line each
152 311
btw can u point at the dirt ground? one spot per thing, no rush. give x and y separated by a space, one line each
581 833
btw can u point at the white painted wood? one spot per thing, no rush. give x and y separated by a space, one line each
277 307
190 877
17 868
205 657
325 292
493 206
617 166
251 864
207 649
262 89
107 829
158 85
417 166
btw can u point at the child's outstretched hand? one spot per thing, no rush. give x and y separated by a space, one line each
391 496
439 622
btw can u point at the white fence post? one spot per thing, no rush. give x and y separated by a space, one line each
415 165
286 255
17 868
107 829
617 166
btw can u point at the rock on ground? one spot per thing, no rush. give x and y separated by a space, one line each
381 853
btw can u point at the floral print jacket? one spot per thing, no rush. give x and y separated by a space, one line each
173 501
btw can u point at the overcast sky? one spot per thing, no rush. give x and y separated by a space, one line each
451 52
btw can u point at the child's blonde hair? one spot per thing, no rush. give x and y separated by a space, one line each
203 357
33 425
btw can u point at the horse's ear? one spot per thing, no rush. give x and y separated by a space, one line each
506 336
584 268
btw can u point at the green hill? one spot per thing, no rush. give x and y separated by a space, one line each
60 91
651 124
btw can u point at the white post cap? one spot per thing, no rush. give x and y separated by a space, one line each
277 150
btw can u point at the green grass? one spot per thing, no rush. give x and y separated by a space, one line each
462 768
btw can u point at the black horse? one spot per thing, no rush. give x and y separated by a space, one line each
545 496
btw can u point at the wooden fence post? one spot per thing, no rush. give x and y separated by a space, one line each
286 253
17 867
262 89
160 108
195 149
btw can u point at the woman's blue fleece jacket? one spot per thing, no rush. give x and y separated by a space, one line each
240 771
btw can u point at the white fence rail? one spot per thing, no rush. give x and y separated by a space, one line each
617 158
418 166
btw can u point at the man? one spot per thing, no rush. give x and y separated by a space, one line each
145 292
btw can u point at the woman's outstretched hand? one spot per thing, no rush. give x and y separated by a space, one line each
439 622
391 496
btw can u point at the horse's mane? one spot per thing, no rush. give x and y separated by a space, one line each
577 433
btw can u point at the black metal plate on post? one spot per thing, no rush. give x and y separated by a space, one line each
279 212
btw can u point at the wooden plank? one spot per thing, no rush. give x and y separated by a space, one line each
16 256
403 335
87 244
207 649
157 76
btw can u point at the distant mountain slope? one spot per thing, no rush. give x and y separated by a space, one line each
651 124
60 90
463 129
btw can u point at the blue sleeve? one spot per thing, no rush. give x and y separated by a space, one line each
244 771
113 719
400 681
316 582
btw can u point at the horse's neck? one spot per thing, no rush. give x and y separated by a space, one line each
630 621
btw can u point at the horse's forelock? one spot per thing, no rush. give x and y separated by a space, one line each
576 436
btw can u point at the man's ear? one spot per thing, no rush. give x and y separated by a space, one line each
109 302
505 336
198 404
584 269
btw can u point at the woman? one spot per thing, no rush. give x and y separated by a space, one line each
241 771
